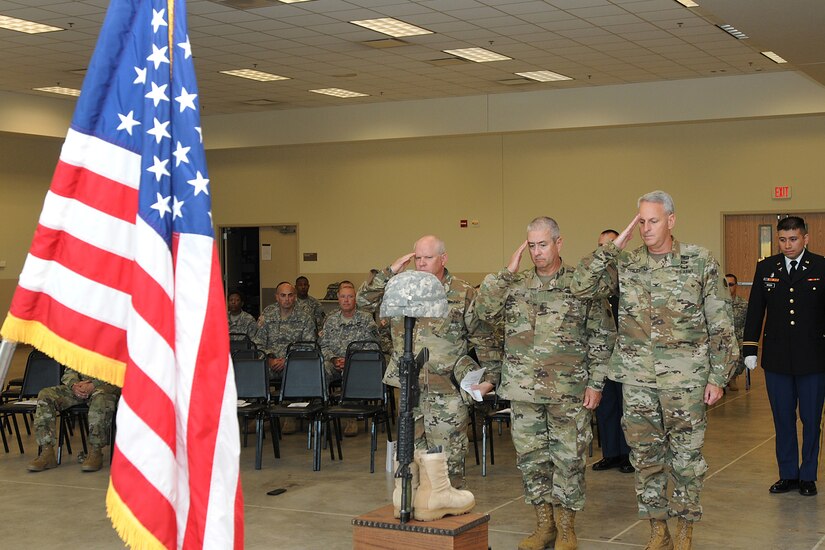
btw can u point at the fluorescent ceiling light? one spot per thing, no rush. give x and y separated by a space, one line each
338 92
479 55
734 32
688 3
544 76
391 27
59 90
773 57
28 27
252 74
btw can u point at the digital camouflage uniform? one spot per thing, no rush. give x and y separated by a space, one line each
278 333
102 403
442 416
340 331
313 308
555 346
675 336
740 313
242 323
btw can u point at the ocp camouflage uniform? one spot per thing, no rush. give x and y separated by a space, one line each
740 313
242 323
676 335
555 346
277 332
487 340
339 332
442 416
314 309
102 403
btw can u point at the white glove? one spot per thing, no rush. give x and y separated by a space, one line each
750 362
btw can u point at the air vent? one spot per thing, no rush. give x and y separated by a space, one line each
261 102
447 61
382 43
515 81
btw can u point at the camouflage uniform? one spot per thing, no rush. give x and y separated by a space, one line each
102 403
487 340
675 336
740 313
555 345
340 331
277 332
442 415
313 308
242 323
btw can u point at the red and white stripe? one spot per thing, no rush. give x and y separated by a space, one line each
109 283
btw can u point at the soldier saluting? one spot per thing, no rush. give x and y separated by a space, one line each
791 288
675 351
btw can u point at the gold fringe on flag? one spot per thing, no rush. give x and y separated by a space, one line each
75 357
127 526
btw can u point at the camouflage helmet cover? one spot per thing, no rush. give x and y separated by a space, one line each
414 294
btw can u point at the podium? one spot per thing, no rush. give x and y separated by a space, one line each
378 530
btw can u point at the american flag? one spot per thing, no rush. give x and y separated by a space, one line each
123 283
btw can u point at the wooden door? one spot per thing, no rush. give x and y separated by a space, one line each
744 234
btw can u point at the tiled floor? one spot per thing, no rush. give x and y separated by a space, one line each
64 508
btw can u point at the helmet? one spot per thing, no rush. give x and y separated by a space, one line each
414 294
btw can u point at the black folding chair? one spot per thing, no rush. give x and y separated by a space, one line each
252 383
238 341
500 414
363 394
41 372
304 381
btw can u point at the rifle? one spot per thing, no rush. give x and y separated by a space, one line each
409 369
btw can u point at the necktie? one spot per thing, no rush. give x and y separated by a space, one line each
792 272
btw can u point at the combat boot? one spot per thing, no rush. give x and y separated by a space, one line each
435 497
545 532
350 427
45 461
93 461
659 536
684 535
289 426
396 493
566 537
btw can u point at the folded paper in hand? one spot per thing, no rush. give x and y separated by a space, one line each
471 378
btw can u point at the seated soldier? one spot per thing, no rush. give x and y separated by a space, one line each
240 322
75 389
342 327
282 326
308 303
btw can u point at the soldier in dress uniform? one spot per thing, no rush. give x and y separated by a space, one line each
675 352
790 287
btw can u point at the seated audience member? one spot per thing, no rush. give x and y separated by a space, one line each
342 327
75 389
740 312
309 304
286 325
240 322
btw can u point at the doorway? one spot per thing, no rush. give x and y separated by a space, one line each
255 259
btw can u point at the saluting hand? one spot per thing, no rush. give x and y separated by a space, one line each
625 236
401 263
515 259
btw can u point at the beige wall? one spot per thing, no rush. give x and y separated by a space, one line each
26 167
361 205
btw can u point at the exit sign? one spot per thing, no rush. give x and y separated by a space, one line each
782 192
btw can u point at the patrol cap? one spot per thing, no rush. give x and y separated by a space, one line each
414 294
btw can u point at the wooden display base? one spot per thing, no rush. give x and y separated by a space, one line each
378 530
